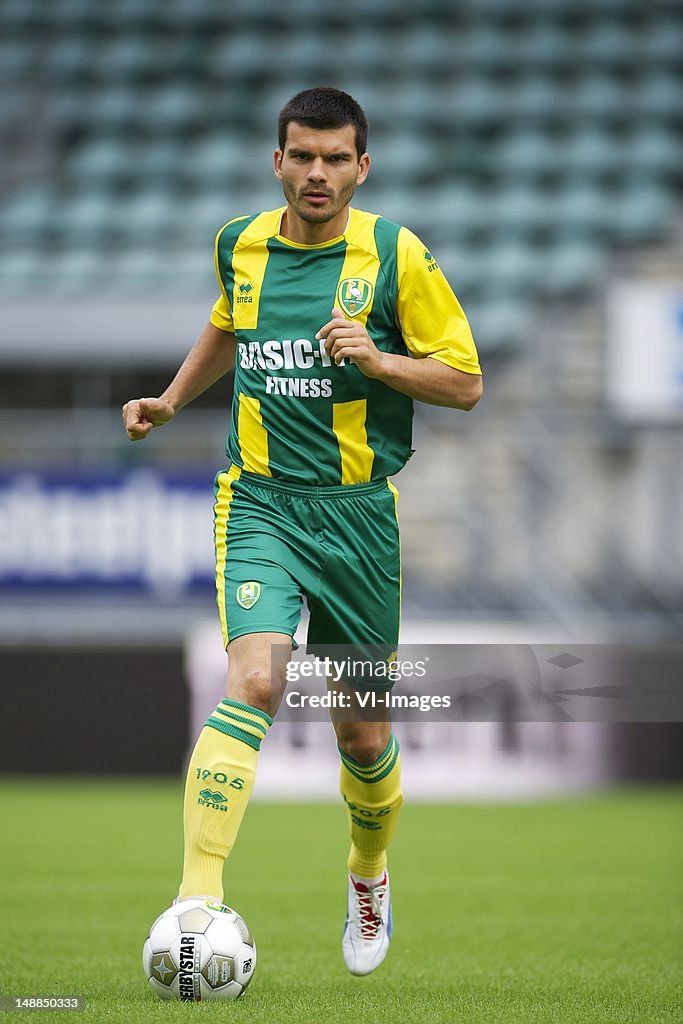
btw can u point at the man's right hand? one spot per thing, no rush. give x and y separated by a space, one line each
140 415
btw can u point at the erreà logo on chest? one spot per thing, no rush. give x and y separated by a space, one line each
354 295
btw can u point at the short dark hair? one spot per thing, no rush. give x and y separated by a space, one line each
321 108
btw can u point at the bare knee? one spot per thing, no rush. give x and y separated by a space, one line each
255 688
364 746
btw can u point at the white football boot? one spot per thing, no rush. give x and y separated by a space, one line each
367 930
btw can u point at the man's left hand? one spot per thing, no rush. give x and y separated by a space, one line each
347 339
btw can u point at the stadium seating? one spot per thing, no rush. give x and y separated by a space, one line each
522 142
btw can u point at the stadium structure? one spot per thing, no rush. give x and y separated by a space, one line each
536 148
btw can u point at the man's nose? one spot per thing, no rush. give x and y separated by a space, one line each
316 170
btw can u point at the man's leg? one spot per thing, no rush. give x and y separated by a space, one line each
370 784
222 769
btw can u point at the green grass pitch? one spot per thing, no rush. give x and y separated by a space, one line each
561 911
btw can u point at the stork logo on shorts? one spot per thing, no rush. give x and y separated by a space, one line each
248 594
354 295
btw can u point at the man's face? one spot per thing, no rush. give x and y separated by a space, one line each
320 170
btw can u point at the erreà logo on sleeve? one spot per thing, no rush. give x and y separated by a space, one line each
244 292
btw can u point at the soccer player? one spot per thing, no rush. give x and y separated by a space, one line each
335 320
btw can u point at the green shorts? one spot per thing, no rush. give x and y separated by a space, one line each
337 547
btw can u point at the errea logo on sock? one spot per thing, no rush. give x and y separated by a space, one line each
216 800
247 594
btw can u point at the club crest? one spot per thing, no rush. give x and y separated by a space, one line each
248 594
354 295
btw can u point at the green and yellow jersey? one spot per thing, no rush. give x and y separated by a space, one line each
296 415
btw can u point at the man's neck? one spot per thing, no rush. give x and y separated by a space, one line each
301 231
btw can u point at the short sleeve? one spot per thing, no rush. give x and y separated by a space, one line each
430 317
221 316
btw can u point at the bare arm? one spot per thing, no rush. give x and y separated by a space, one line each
430 381
427 380
209 359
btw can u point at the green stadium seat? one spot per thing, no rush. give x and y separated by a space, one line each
148 217
582 209
662 44
400 158
522 209
655 152
180 16
159 161
537 99
529 153
600 98
74 15
483 50
242 54
77 271
572 267
466 268
125 57
470 274
619 10
659 96
142 272
513 268
457 212
607 45
195 273
198 219
25 214
88 218
590 153
305 52
17 60
131 16
214 161
171 108
499 326
69 59
497 129
398 203
543 47
478 101
427 51
108 109
102 160
412 104
365 54
20 16
21 271
16 112
641 212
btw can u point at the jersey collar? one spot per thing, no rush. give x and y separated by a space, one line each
318 245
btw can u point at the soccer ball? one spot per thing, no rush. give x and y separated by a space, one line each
199 949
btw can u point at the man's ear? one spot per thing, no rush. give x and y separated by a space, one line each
363 168
277 163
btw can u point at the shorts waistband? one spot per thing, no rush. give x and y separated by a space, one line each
313 491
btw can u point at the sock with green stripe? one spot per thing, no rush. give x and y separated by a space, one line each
220 778
373 798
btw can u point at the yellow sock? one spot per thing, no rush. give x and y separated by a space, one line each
220 778
373 797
